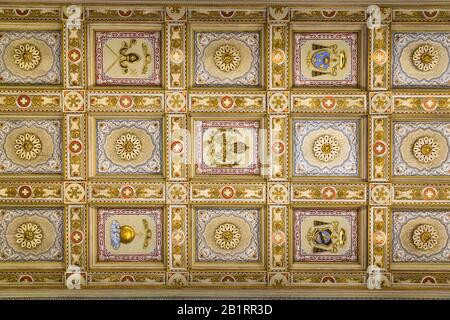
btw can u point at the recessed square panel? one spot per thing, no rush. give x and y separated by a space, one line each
30 57
227 147
128 58
325 235
421 59
31 235
227 59
421 148
325 59
30 146
129 235
228 235
420 236
128 146
326 147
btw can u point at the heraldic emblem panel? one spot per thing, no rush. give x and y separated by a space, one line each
168 146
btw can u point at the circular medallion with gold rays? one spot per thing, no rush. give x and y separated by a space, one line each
425 149
33 146
425 237
27 56
326 148
29 235
227 58
28 146
227 236
425 57
128 146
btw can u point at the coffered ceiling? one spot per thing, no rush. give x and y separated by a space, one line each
180 146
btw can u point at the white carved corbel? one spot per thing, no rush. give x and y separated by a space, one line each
73 14
376 280
373 17
74 278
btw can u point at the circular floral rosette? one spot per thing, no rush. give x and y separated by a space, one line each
128 146
27 56
425 57
425 149
28 146
227 58
227 236
425 237
326 148
29 235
